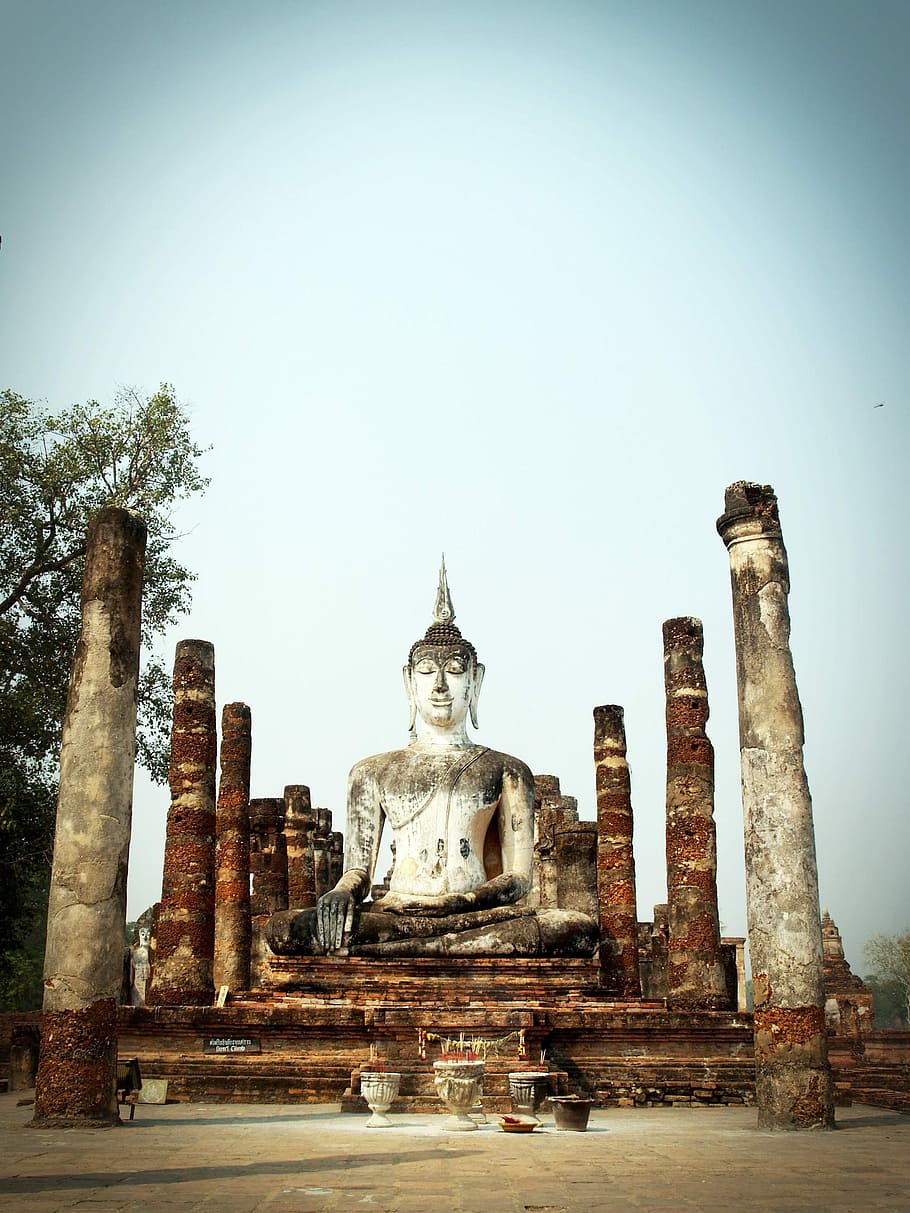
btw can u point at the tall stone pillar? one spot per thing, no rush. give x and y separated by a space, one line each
299 828
619 972
83 963
185 940
232 851
792 1076
695 970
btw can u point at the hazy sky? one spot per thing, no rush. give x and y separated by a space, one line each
529 283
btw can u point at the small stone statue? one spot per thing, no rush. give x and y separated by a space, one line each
139 966
462 820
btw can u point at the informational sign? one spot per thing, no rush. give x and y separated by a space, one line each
231 1044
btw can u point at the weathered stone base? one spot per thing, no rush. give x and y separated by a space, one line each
314 1045
77 1069
793 1081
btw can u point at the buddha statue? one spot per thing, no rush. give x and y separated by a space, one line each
462 823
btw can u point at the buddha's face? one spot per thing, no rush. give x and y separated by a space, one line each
442 683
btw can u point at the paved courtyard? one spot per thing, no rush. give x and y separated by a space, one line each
312 1159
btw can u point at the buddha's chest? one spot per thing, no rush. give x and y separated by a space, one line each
439 824
439 796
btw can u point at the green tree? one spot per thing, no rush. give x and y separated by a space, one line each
56 469
888 956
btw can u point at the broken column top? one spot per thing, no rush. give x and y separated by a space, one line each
546 785
753 507
608 724
683 630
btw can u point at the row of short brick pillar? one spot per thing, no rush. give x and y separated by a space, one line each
228 862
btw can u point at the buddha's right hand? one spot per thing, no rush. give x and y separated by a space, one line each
334 918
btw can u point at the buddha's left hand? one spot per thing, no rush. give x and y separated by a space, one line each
429 906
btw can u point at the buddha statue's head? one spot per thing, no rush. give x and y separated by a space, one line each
443 676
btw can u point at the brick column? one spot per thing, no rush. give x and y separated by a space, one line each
321 846
544 884
185 938
269 871
336 857
792 1077
619 972
232 851
83 961
268 856
299 827
695 971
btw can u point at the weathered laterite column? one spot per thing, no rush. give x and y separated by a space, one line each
232 851
269 881
695 971
792 1078
336 857
321 846
185 941
268 856
299 828
619 972
83 963
545 884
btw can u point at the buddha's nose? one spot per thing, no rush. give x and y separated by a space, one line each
440 684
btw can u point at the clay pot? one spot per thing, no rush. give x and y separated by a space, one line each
571 1113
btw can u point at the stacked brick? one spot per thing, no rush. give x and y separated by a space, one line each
185 930
695 972
616 897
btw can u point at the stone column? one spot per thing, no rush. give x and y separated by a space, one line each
544 884
336 857
185 927
268 856
299 827
576 865
695 971
269 872
619 972
321 845
232 852
83 963
792 1076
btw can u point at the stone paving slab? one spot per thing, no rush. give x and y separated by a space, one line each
312 1159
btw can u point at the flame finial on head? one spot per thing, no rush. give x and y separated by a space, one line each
443 611
442 630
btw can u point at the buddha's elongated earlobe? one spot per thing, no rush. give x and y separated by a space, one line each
412 702
475 692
